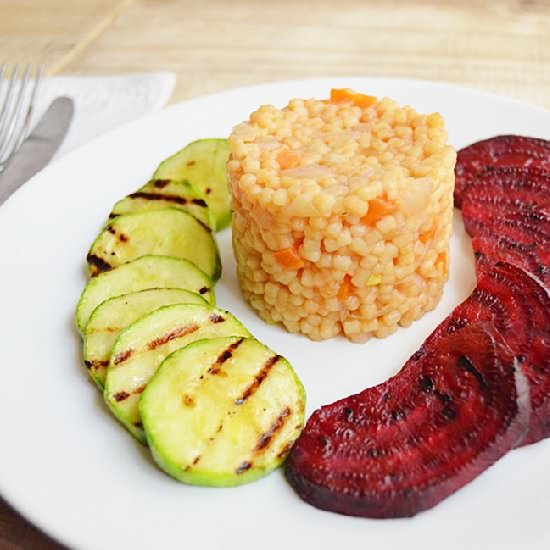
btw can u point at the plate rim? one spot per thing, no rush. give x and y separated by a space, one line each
11 498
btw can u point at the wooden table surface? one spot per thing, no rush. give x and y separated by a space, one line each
501 46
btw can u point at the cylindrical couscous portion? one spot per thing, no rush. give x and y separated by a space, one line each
342 214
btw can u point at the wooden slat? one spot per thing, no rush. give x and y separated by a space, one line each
52 31
500 46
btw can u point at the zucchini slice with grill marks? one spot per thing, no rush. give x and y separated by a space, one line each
202 163
168 231
163 193
145 272
222 412
113 315
140 348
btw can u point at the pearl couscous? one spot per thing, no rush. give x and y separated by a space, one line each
342 214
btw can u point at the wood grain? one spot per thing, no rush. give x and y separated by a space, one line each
498 45
52 32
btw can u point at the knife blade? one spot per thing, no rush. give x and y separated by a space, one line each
39 147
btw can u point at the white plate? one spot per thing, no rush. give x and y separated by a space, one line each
70 468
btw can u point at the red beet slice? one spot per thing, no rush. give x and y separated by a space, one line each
531 257
518 308
402 446
518 151
483 214
526 185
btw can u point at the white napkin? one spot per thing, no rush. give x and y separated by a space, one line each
101 103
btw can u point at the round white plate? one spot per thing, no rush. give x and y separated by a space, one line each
68 466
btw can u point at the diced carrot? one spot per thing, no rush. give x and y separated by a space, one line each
287 159
346 94
345 289
443 260
427 235
378 208
288 258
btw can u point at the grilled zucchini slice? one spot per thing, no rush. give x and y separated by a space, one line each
163 193
145 272
203 163
222 412
140 348
168 231
113 315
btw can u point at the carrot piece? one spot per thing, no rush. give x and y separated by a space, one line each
427 235
443 261
345 289
378 208
287 159
338 95
288 258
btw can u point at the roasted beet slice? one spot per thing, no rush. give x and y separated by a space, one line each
511 151
402 446
530 257
484 214
526 185
518 308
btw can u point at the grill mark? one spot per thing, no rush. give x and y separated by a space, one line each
122 356
98 262
208 190
285 449
161 184
191 162
102 330
95 364
121 396
111 230
176 199
258 379
243 467
196 460
464 363
216 318
172 335
268 436
203 290
123 237
224 356
199 202
188 400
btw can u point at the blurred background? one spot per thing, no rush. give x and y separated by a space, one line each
502 46
497 45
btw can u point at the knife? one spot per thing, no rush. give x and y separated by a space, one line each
38 149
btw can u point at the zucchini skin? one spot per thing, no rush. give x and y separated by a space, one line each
194 475
157 194
209 179
149 271
130 344
124 310
131 236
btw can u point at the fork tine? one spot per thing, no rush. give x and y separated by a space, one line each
30 109
10 128
14 132
7 97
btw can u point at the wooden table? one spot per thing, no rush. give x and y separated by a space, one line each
498 45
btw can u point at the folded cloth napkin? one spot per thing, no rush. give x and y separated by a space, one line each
103 102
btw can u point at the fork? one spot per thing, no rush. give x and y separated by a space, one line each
17 96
